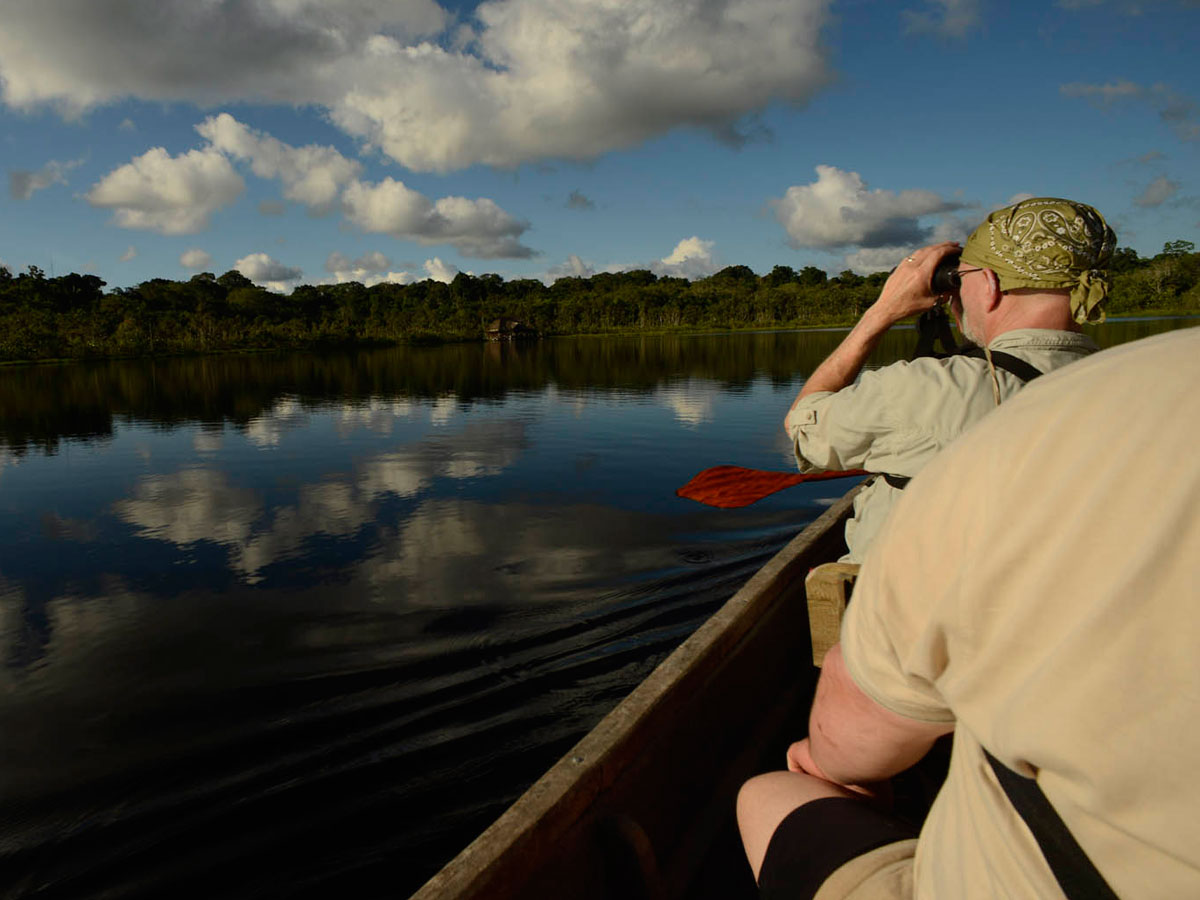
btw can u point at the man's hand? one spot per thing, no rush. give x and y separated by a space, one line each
799 759
906 292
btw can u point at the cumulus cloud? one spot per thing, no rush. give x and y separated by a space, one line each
1177 110
311 175
948 18
372 263
440 271
576 200
23 184
1158 192
476 228
77 54
692 258
129 254
572 267
876 259
196 259
168 194
270 273
838 210
526 80
369 269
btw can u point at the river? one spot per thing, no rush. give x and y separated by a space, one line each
303 624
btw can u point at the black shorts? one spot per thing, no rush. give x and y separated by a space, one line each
818 838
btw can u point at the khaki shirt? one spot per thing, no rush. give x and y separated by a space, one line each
894 419
1038 586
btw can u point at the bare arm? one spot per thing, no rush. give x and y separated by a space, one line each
852 739
905 293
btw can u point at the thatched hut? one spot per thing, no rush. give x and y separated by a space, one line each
509 330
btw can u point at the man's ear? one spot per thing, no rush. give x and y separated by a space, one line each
995 295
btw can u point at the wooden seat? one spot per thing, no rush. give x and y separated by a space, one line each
828 587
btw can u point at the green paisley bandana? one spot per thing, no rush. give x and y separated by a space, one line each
1048 244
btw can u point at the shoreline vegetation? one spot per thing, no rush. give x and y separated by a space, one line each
72 317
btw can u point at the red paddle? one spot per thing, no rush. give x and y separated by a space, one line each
730 487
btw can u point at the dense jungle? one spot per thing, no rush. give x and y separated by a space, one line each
73 316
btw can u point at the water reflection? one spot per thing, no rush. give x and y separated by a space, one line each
260 615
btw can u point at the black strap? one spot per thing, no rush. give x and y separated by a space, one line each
1014 365
1006 361
1076 874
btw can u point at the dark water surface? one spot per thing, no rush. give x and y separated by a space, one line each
302 625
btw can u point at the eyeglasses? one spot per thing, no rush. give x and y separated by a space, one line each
957 274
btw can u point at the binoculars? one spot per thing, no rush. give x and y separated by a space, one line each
945 278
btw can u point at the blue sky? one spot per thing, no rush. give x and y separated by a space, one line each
309 141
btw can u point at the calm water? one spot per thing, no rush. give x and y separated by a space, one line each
302 625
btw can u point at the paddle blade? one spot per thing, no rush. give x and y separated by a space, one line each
731 487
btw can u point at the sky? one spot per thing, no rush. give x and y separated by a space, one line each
323 141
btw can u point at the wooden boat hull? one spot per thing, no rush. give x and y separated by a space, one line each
643 805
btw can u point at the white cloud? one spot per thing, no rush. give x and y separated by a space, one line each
168 194
477 228
1158 192
22 184
1177 110
575 78
129 254
440 271
1016 198
692 258
196 259
527 79
127 125
311 175
572 267
876 259
837 210
270 273
373 263
948 18
80 53
369 269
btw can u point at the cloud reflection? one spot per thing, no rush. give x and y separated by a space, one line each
201 504
691 405
375 415
455 552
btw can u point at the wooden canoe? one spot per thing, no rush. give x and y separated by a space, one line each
643 806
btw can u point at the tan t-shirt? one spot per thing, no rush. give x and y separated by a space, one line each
1039 585
895 419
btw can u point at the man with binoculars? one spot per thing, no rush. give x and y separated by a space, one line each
1020 289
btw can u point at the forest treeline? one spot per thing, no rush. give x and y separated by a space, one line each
73 316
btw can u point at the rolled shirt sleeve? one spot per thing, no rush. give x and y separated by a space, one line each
877 423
